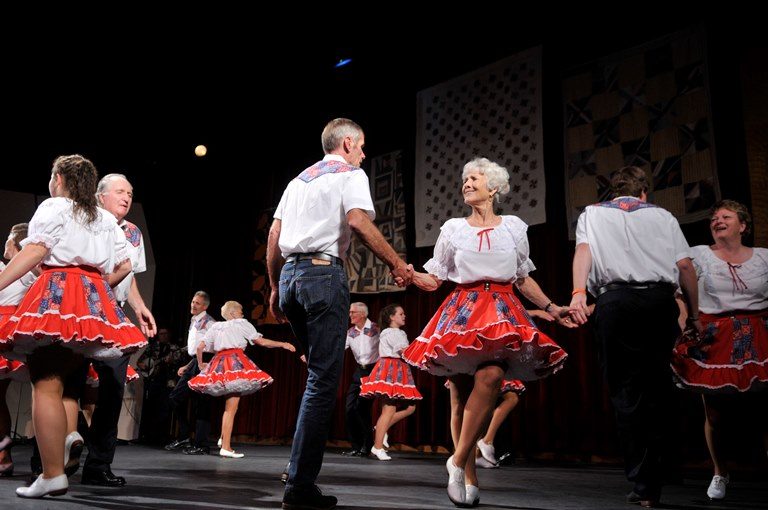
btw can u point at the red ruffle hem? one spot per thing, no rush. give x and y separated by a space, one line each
390 378
730 357
230 372
480 323
74 307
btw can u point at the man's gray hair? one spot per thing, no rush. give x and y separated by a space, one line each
101 188
335 132
205 296
360 306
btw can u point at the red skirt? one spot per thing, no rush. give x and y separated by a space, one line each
480 323
507 385
92 379
11 369
230 372
390 378
732 355
74 307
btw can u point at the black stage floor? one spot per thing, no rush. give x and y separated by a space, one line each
171 480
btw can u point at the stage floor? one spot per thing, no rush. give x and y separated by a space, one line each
171 480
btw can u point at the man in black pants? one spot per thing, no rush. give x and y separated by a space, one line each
199 324
115 194
363 341
632 255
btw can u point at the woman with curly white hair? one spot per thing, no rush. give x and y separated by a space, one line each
481 334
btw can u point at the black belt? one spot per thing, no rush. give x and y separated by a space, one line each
634 286
295 257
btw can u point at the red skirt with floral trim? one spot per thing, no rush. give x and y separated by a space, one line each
230 372
75 307
92 379
390 378
11 369
732 355
480 323
507 385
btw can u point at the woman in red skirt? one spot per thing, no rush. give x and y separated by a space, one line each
231 373
391 378
732 356
70 310
482 334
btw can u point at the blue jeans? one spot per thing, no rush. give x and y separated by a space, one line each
315 300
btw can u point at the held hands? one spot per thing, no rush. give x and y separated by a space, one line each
403 274
579 309
274 306
539 314
562 314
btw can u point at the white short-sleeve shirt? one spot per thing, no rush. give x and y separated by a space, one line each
135 245
313 209
197 328
364 342
726 287
100 244
631 241
466 254
231 334
15 292
392 341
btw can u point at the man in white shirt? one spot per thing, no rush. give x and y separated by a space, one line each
180 395
307 245
363 341
115 194
631 255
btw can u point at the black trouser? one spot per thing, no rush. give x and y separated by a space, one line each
201 402
102 434
156 408
636 329
359 425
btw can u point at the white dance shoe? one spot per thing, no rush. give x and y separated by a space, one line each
457 491
230 454
55 486
380 453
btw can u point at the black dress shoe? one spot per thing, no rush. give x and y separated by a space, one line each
197 450
354 453
309 500
103 478
179 443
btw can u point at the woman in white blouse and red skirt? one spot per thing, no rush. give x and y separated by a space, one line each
231 373
70 311
481 334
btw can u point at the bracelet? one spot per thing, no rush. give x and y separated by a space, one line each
691 317
578 291
549 305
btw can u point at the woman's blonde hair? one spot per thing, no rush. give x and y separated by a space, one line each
229 308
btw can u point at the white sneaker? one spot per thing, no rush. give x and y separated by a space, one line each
219 443
473 495
380 453
457 491
716 488
55 486
73 448
385 441
230 454
483 463
487 451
